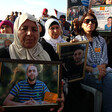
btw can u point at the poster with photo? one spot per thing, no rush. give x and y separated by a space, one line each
6 40
76 8
104 17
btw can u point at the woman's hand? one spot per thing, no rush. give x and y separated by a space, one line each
74 40
102 71
60 100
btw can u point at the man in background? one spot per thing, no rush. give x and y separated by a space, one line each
65 25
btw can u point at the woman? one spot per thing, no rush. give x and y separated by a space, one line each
6 27
74 29
97 54
52 37
26 45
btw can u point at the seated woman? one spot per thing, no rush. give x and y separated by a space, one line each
6 27
97 54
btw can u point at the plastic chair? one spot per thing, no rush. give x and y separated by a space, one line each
97 97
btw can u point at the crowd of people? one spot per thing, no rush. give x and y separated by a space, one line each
37 40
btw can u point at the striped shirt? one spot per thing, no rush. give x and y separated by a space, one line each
94 57
24 92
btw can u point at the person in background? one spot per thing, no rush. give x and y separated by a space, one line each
108 26
52 37
97 54
65 25
15 15
44 16
11 18
6 27
7 18
42 30
74 30
20 13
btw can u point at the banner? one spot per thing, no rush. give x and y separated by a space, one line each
74 3
76 8
104 17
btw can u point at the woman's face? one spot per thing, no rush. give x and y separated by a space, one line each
108 1
28 34
54 31
6 29
88 24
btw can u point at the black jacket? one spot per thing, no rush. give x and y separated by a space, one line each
49 49
4 53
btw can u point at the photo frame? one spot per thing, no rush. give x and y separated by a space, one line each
13 75
103 14
6 40
74 66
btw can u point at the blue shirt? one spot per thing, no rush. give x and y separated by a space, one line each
24 91
107 28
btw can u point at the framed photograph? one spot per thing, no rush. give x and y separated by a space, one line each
6 40
104 17
73 56
29 84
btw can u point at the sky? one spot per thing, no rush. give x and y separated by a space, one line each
34 7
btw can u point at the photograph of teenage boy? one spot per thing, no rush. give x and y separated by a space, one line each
74 66
29 91
109 23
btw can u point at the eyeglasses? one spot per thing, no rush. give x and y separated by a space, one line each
88 20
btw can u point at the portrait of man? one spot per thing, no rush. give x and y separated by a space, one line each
74 65
29 91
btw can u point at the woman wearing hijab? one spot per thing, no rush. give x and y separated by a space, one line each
6 27
52 37
25 45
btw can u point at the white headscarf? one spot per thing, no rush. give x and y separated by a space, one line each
17 51
48 38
